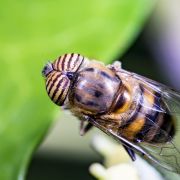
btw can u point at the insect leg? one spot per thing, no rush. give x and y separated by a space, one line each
85 128
130 152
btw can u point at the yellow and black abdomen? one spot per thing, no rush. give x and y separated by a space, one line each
149 123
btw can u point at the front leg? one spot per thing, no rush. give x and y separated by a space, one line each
130 152
85 127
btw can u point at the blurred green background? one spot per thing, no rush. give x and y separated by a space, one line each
33 32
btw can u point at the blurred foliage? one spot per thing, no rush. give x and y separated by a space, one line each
31 32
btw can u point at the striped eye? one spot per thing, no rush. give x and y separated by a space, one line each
57 86
68 62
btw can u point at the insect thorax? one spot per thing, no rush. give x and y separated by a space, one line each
94 89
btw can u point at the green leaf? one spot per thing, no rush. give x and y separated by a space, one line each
35 31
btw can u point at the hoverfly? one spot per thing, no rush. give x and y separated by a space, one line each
136 111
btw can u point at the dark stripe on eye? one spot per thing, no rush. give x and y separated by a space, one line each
80 63
49 80
89 69
69 61
60 101
57 88
63 62
76 63
77 57
53 83
58 61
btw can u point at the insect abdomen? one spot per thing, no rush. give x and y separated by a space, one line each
148 124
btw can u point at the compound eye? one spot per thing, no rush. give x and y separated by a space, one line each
57 86
68 62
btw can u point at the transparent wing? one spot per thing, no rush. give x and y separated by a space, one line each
165 154
170 97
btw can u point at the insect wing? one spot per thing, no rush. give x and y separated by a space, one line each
165 155
170 97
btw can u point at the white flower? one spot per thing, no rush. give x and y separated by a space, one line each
116 172
118 165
